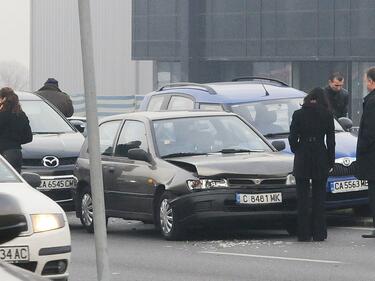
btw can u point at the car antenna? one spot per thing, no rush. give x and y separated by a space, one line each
264 87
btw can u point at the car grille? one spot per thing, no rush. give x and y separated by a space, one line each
38 162
59 194
340 170
255 182
30 266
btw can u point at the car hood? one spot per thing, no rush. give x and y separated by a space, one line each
346 145
31 201
240 164
59 145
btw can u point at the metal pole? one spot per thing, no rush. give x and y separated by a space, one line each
96 175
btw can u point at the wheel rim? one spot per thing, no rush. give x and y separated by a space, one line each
166 216
87 211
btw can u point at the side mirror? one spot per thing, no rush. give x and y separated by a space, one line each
12 221
139 154
346 123
79 125
32 179
279 145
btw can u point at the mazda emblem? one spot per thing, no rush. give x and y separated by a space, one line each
346 162
50 161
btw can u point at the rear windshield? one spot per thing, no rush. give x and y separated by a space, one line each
273 116
43 118
6 174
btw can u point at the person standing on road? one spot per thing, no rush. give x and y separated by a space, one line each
337 96
366 144
313 159
51 92
14 128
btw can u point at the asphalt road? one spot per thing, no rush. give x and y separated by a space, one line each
137 252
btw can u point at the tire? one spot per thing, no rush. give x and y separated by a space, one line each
170 229
362 211
86 210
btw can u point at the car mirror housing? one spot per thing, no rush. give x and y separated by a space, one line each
79 125
32 179
346 123
12 221
279 145
139 154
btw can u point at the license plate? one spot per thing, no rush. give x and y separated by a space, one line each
260 198
349 185
57 183
14 254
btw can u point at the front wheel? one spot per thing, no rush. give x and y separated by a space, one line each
167 223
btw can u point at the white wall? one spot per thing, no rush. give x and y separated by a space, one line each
56 52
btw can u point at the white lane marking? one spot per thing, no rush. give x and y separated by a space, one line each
355 228
270 257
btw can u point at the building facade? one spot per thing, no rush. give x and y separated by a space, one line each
55 51
298 41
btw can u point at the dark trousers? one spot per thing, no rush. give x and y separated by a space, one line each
371 196
311 209
14 157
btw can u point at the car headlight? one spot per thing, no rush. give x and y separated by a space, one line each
290 180
46 222
207 184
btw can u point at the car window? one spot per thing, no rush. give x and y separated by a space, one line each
133 135
155 103
205 135
6 174
107 133
180 103
43 118
211 106
272 117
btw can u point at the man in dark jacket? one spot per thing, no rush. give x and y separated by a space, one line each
51 92
337 96
366 144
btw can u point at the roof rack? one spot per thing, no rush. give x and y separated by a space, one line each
250 78
184 84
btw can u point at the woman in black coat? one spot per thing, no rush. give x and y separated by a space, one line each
14 128
312 140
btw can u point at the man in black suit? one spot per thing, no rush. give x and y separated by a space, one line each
366 144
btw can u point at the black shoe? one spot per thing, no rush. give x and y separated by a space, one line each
370 235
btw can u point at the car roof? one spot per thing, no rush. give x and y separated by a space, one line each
235 92
157 115
27 96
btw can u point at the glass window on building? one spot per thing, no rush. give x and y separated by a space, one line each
168 72
277 70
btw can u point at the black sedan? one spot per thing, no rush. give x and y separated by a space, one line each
186 169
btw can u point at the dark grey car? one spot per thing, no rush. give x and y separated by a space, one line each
180 169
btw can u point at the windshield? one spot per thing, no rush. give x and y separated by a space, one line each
43 118
201 135
6 174
272 117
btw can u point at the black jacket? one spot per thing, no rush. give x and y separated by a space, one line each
14 130
313 157
61 100
366 140
338 101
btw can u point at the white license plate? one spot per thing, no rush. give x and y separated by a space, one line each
14 254
349 185
260 198
57 183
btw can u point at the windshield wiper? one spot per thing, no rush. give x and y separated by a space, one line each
238 150
270 135
180 154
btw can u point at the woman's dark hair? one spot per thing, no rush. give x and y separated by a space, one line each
11 103
317 94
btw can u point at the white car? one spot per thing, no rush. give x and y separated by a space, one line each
44 246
